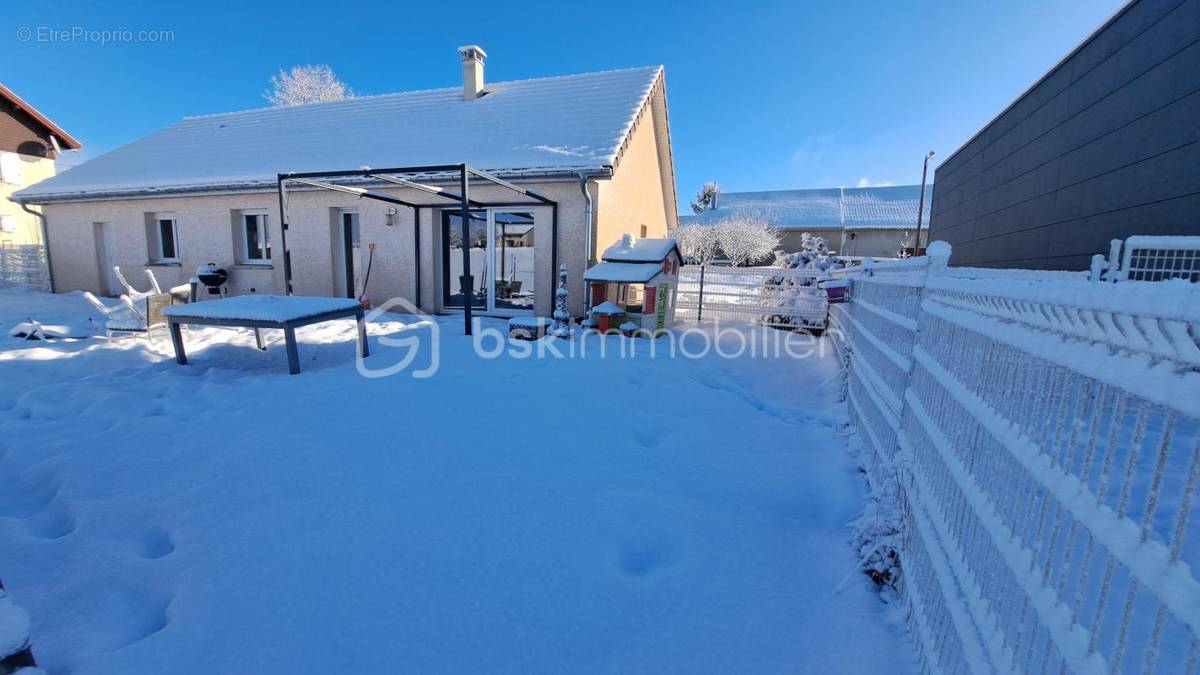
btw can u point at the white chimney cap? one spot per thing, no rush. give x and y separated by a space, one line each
472 50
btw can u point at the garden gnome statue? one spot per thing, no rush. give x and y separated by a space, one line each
562 318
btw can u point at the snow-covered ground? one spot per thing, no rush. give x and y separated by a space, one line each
579 514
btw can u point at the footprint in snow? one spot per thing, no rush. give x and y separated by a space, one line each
27 500
135 617
154 545
649 432
51 525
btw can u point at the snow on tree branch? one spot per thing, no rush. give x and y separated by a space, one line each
306 84
706 198
745 239
697 242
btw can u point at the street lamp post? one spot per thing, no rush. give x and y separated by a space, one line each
921 202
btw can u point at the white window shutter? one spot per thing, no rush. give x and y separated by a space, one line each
10 168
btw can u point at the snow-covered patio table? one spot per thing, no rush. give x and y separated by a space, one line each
285 312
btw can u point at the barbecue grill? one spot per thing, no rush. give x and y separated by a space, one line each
212 277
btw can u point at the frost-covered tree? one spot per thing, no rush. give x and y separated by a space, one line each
745 239
306 84
697 242
562 316
814 254
706 198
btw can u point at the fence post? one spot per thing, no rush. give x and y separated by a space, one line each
700 301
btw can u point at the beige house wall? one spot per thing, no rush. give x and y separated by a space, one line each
206 233
875 243
28 230
637 194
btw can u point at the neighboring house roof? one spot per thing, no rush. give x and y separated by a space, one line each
65 140
631 250
622 272
551 125
892 207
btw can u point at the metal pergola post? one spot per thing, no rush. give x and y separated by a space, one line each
283 228
460 173
466 282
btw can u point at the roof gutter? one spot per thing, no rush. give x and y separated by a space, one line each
269 185
45 240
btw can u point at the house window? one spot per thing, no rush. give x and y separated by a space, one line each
165 247
643 232
256 246
8 224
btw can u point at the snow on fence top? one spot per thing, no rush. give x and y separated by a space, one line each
567 123
1041 436
1156 258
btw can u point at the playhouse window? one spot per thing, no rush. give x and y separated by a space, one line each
631 297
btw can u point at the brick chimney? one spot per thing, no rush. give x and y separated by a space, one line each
472 63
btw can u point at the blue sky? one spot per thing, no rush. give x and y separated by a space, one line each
762 95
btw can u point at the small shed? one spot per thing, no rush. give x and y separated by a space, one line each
638 277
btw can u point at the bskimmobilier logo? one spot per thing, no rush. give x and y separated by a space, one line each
420 338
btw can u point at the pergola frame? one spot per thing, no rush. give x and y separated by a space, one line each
394 176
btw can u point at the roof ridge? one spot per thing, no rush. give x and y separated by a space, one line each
841 190
413 92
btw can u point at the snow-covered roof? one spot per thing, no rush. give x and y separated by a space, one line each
609 308
891 207
620 272
630 249
547 125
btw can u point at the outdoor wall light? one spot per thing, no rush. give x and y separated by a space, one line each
391 216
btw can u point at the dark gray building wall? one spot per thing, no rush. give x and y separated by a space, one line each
1105 146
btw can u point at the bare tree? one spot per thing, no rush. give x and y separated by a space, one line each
306 84
697 242
706 198
745 239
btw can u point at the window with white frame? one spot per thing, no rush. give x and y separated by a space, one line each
165 247
256 244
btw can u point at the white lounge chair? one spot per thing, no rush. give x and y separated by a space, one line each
123 318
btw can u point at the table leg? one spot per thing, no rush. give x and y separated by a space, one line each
258 341
177 342
362 334
289 336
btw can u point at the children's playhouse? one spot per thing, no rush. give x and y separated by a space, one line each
633 287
